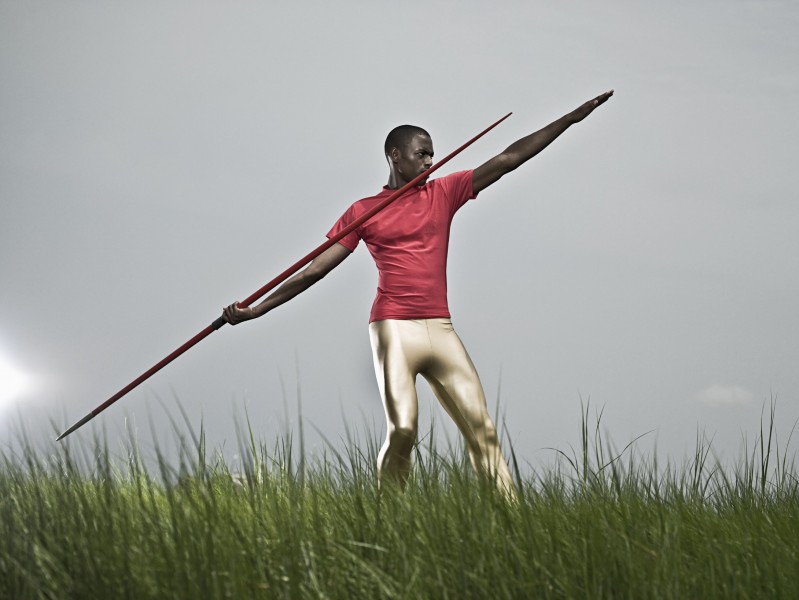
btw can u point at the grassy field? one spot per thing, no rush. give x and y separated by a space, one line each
83 524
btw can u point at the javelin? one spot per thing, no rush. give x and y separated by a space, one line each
218 323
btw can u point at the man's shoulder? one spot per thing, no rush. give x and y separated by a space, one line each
451 177
439 183
368 202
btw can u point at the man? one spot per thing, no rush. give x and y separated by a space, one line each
410 327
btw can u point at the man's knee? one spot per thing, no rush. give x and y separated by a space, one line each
481 430
402 435
476 416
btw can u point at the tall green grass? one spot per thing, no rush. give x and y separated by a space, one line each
601 523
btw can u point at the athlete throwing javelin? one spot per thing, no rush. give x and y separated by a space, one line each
409 326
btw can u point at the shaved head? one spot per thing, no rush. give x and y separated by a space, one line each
400 136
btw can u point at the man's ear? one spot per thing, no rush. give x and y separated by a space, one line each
393 155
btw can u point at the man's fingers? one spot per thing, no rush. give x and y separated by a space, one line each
586 109
230 313
603 97
592 104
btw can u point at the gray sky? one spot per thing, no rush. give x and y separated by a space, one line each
160 160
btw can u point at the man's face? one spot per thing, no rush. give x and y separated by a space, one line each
415 158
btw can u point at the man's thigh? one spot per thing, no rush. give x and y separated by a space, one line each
399 349
452 374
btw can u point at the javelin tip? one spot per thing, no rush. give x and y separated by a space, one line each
80 423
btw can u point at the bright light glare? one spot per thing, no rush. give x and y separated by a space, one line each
12 382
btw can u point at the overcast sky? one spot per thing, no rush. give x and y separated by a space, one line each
159 160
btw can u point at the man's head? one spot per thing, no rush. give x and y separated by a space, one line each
409 152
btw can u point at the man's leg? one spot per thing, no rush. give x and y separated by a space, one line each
455 382
395 351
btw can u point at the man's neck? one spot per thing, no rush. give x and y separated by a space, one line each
395 181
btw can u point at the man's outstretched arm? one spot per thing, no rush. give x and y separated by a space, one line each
319 267
526 148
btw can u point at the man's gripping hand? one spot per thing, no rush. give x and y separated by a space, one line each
234 314
586 109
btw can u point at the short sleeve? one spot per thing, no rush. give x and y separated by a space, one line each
349 241
458 189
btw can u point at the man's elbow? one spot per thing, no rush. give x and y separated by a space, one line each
509 161
313 274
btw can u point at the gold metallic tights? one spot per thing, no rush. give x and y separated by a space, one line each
403 349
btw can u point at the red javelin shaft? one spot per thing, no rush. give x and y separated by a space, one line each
277 280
